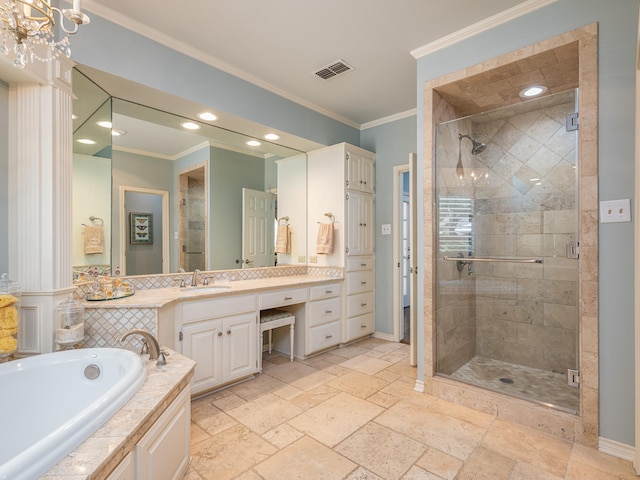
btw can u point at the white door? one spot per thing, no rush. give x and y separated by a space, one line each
413 245
406 250
258 214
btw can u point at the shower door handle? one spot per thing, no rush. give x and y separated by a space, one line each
573 250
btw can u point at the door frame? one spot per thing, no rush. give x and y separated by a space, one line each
166 266
398 301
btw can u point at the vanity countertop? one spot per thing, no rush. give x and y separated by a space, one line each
103 451
160 297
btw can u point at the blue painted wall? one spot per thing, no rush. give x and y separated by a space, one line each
393 143
617 21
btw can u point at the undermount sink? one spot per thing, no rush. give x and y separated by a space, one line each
206 289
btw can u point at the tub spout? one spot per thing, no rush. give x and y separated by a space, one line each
155 352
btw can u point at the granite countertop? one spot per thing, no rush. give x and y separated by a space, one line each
105 449
160 297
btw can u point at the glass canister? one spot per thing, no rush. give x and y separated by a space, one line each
69 316
10 293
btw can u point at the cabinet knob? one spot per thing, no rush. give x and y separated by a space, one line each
219 334
288 298
228 332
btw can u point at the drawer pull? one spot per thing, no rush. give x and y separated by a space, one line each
363 264
363 282
363 326
328 336
288 298
328 311
327 292
363 304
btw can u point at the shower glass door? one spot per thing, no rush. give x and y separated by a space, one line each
507 291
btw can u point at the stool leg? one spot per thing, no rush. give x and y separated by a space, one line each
291 339
260 349
270 332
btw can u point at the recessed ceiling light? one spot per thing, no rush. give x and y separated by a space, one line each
271 136
534 179
117 133
190 125
105 124
533 91
86 141
207 116
253 143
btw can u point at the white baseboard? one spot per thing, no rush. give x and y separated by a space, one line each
383 336
617 449
419 386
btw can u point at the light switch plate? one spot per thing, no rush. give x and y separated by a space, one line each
613 211
386 229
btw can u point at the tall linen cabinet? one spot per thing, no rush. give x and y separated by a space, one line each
341 188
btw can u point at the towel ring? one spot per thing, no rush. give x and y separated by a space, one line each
286 219
331 216
93 219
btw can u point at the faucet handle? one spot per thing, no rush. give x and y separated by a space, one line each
162 358
145 347
205 281
182 283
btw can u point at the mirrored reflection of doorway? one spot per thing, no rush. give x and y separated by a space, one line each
193 219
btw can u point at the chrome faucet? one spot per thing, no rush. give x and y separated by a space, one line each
194 278
155 352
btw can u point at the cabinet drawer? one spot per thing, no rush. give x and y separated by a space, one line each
281 298
359 282
324 291
323 336
355 264
359 304
359 326
214 308
324 311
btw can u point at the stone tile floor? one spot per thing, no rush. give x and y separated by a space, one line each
352 414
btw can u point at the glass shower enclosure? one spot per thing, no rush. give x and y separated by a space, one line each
506 270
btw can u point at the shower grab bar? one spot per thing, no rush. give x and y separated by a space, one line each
465 260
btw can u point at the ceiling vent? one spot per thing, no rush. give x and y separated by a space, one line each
334 69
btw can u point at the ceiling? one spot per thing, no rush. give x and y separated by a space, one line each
279 45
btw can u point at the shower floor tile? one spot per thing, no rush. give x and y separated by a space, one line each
528 383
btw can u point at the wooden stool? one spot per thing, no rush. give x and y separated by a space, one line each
274 318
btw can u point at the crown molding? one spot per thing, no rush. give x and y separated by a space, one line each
479 27
391 118
197 54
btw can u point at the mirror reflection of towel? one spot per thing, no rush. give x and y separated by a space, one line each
283 239
93 239
325 239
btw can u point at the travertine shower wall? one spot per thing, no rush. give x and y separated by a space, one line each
525 207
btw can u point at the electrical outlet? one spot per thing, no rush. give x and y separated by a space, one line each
302 259
612 211
313 259
386 229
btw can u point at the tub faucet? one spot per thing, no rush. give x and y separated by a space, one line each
155 352
194 278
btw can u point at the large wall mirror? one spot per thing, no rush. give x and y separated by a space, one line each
154 191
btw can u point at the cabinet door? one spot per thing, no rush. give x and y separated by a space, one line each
360 224
240 346
367 174
202 342
360 173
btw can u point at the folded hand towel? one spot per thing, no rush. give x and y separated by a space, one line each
93 239
325 238
283 239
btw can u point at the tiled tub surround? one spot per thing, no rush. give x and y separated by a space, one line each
475 89
104 450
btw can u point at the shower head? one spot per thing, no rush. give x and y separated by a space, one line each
478 147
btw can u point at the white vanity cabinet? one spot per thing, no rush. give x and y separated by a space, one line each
221 336
321 327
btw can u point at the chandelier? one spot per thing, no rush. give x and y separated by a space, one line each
29 27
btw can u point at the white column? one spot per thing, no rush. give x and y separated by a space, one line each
40 167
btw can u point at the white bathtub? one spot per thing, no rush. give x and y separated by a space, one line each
48 406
